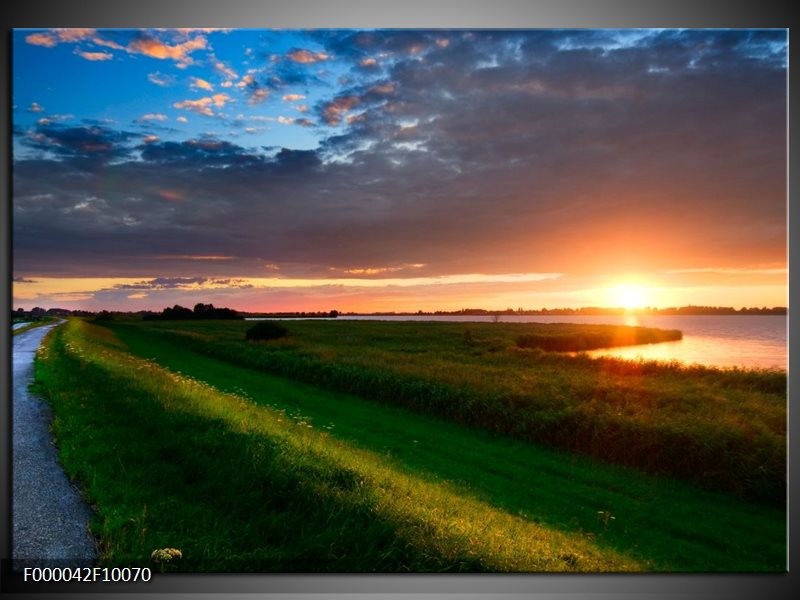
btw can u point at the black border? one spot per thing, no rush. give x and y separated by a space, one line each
384 13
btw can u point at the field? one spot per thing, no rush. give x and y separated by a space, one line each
349 446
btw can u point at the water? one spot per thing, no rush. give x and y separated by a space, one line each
714 340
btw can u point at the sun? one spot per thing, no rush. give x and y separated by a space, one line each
629 296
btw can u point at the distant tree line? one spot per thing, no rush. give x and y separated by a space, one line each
320 314
598 310
201 311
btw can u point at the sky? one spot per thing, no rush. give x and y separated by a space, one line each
398 170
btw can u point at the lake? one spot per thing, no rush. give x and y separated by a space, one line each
714 340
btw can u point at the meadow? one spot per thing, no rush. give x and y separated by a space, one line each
724 429
180 438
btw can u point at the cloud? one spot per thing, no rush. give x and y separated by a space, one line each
160 79
171 195
87 145
23 280
299 55
201 84
95 56
333 111
258 95
223 69
182 119
76 34
155 48
500 152
293 97
152 117
35 107
42 39
203 106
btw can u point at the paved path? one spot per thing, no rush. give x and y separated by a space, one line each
18 325
50 519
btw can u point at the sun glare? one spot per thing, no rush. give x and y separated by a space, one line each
629 296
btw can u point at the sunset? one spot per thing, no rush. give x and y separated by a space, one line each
370 301
407 170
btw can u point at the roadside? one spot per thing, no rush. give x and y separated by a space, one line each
50 519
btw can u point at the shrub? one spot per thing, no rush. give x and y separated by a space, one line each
266 330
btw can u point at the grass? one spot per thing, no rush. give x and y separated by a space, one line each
724 429
169 461
568 337
247 471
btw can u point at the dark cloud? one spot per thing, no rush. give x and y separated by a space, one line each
23 280
496 151
199 153
163 283
90 145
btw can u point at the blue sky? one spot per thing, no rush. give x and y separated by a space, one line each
398 169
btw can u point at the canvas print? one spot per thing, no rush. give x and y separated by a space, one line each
381 301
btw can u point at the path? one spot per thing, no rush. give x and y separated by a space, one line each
50 519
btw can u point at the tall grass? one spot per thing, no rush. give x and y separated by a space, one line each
723 429
561 337
168 461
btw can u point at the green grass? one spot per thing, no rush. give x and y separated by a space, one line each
165 469
723 429
170 461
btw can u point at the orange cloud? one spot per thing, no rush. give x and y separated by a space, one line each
293 97
171 195
154 48
286 120
385 88
201 84
306 56
245 81
42 39
336 108
203 105
223 69
258 96
74 34
368 62
95 56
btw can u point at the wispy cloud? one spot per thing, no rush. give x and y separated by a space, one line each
201 84
203 106
152 117
306 56
95 56
160 79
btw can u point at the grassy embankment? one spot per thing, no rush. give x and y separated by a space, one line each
723 429
300 478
